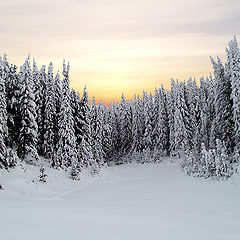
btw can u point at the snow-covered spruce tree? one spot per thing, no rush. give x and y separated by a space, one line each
77 115
107 134
116 134
171 102
125 125
233 71
193 99
97 132
3 119
28 131
8 77
163 124
66 143
222 127
12 95
38 93
182 123
148 130
157 151
49 117
58 101
85 155
41 84
206 110
137 128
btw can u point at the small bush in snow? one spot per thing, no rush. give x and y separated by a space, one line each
43 175
12 158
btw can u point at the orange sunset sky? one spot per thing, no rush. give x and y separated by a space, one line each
119 46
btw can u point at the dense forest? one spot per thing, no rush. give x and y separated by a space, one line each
198 124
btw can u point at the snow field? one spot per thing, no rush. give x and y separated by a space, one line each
135 201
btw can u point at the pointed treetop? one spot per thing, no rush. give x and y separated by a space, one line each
64 67
35 68
57 75
68 67
122 98
4 58
50 68
93 101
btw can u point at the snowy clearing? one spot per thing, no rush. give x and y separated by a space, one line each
149 201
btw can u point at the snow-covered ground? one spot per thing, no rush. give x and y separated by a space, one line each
150 201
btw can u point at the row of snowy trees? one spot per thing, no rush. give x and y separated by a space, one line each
200 125
40 116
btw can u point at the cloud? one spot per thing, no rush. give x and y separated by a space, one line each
123 19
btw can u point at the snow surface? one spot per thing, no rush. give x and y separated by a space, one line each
135 201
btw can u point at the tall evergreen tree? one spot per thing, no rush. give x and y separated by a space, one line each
12 97
182 122
137 129
41 93
222 127
66 144
28 131
97 131
107 134
125 125
233 70
163 124
171 102
85 154
3 118
49 117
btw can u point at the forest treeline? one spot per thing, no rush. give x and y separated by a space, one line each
198 124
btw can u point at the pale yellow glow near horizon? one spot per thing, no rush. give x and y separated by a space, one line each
110 68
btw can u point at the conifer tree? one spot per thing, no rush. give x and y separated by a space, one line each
28 131
41 101
171 113
66 144
193 101
107 134
49 117
156 118
182 124
125 125
148 130
3 119
233 71
76 106
38 93
137 129
85 154
97 131
12 97
58 101
116 135
205 112
163 124
222 127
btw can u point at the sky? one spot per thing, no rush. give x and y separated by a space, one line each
119 46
